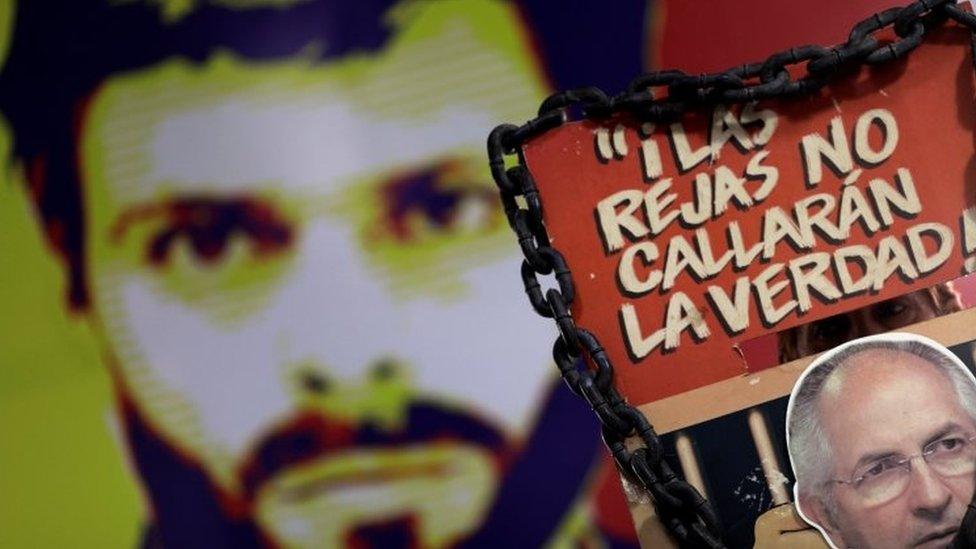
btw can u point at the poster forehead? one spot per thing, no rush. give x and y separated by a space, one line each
687 238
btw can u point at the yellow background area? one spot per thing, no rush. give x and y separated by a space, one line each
62 476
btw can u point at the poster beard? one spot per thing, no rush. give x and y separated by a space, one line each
543 475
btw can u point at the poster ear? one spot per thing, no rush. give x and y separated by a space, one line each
814 510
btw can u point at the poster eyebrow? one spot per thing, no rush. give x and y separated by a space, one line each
873 457
186 208
947 428
135 214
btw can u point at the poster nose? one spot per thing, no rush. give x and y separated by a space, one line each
929 492
381 397
335 311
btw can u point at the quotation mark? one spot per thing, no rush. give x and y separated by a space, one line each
611 146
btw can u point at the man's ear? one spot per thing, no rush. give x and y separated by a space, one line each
814 510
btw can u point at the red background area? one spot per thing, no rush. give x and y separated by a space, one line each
712 36
929 92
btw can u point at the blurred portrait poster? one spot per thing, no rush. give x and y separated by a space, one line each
256 279
259 291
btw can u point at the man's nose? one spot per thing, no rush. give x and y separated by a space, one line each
929 494
381 397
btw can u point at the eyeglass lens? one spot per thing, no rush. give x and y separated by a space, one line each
887 478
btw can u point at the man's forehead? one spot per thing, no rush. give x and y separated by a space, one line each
887 401
884 387
872 367
232 124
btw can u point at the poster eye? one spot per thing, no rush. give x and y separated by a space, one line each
891 309
208 225
829 331
440 197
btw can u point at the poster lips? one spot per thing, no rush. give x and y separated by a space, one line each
310 436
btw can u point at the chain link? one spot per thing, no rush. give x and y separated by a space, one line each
581 360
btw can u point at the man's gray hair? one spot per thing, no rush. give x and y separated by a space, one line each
809 448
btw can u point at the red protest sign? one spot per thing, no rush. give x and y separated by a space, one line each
687 238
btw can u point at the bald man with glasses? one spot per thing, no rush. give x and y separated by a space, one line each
881 435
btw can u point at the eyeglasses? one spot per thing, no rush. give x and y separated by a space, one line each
885 479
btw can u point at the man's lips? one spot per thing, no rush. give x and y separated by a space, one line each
939 536
311 435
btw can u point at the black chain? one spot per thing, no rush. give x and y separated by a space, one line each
688 517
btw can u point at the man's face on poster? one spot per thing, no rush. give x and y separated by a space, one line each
299 274
877 318
901 466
